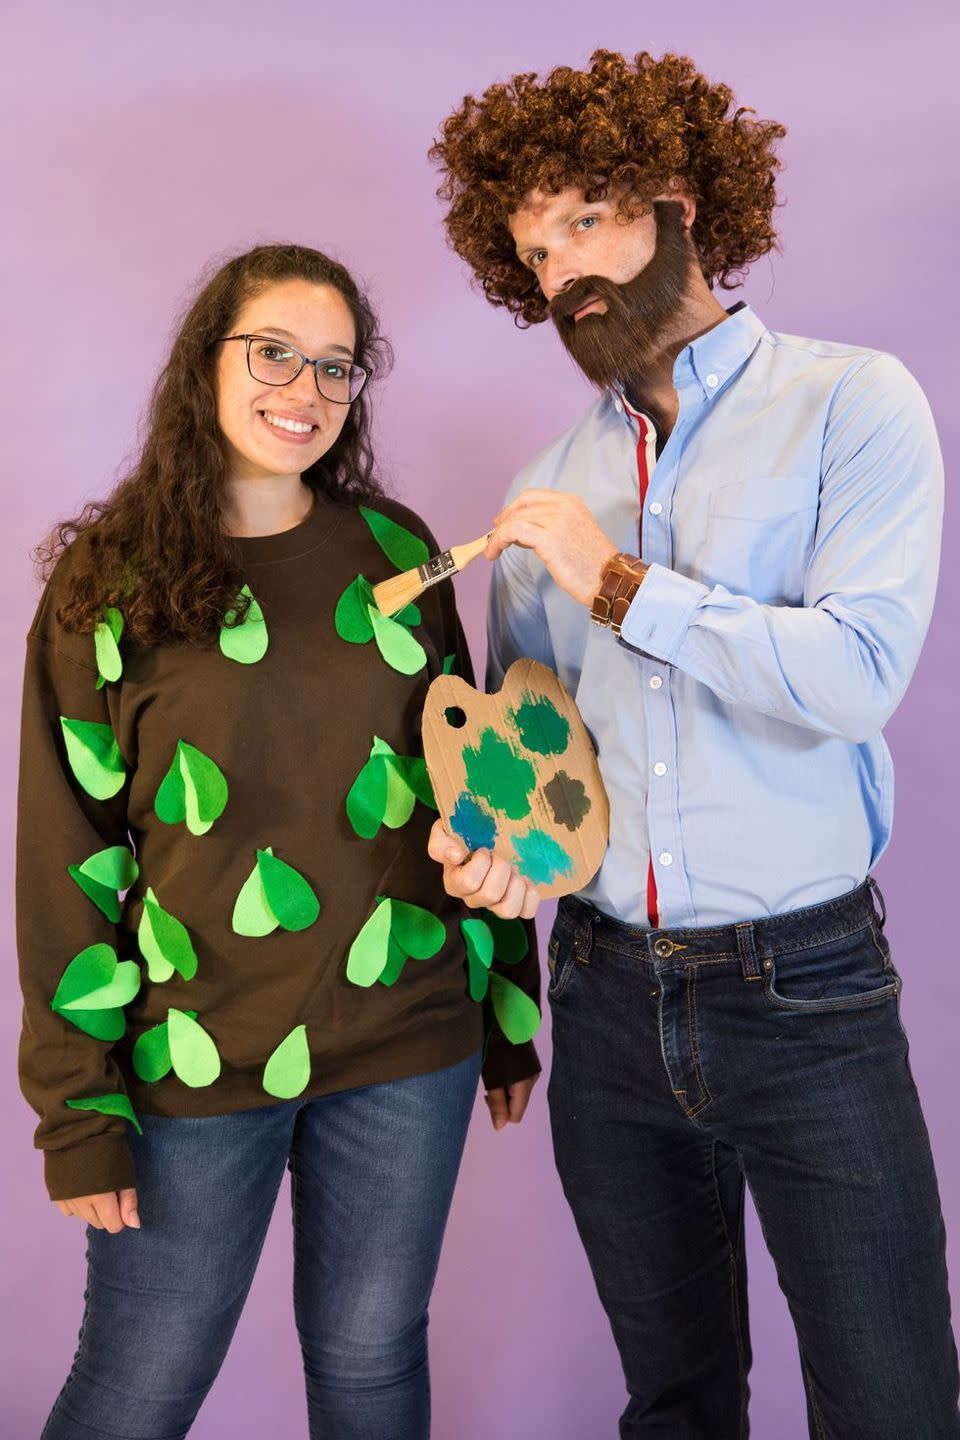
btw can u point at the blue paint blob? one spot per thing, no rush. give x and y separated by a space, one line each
475 826
539 858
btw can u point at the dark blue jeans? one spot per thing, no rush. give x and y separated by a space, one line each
688 1061
373 1175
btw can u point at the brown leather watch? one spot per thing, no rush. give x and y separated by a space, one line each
621 579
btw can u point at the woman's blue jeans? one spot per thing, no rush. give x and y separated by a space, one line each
373 1176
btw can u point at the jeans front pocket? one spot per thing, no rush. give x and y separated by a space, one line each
847 972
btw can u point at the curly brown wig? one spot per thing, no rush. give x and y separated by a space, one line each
633 128
156 548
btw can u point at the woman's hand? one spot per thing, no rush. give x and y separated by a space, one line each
508 1104
112 1210
481 880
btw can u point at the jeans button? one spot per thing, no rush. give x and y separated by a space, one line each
663 947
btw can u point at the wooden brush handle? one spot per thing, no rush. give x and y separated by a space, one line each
461 555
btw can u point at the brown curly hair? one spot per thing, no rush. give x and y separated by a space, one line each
156 548
639 128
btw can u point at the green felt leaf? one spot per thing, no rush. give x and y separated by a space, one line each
170 803
204 786
114 867
96 980
151 1052
109 1105
479 942
510 939
518 1015
413 768
288 894
400 798
367 796
401 547
101 1024
395 643
351 619
102 896
287 1072
417 931
448 663
94 757
251 913
105 637
247 642
409 615
369 952
164 942
396 959
193 1054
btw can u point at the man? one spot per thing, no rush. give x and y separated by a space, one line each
751 521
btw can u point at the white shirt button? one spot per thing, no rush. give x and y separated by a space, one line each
659 768
665 857
656 508
656 681
712 381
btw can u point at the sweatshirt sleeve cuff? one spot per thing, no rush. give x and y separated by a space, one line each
662 609
506 1064
94 1166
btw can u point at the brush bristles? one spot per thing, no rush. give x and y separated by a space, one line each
400 590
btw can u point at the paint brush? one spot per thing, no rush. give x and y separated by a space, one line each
390 596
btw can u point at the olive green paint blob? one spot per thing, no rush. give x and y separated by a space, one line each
497 774
540 858
542 728
568 799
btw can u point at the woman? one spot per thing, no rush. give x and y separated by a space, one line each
283 982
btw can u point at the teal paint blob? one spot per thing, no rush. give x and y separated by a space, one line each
499 775
542 728
475 826
568 799
539 858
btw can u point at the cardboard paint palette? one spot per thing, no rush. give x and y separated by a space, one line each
516 773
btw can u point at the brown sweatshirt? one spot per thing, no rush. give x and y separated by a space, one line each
289 734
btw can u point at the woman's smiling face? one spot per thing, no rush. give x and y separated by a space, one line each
282 429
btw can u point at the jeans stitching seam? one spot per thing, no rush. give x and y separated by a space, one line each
734 1284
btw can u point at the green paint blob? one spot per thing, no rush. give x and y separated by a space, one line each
542 728
499 775
539 858
568 800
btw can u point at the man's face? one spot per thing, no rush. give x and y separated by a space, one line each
613 287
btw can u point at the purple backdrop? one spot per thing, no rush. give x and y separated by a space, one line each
141 141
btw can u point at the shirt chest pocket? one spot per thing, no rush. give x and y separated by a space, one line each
759 536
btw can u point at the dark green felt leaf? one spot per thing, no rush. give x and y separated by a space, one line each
109 1105
396 959
417 931
367 797
288 894
351 620
102 896
401 547
510 939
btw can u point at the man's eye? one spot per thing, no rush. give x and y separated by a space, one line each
588 220
537 258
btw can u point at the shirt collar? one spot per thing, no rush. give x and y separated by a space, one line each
712 359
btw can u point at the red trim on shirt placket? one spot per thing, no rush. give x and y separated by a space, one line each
643 477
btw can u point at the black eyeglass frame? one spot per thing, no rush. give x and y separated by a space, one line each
304 360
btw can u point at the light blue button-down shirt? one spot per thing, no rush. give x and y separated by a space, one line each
792 528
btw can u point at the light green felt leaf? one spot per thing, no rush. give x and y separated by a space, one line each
251 913
400 798
288 894
396 959
105 638
287 1072
369 952
164 942
94 757
95 980
114 867
247 642
351 619
517 1014
151 1052
510 939
204 787
367 797
479 942
401 547
193 1054
102 896
101 1024
109 1105
395 643
417 931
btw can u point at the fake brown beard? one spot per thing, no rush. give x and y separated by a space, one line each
623 341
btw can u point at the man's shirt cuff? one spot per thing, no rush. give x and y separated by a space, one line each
661 611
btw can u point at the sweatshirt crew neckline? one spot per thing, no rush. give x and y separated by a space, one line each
312 531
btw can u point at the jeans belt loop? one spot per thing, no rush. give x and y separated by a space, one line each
877 894
749 960
583 939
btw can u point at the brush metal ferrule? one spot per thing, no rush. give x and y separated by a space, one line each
437 568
